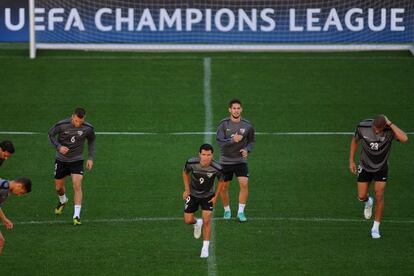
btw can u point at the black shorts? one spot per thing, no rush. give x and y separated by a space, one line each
63 169
191 204
381 175
240 169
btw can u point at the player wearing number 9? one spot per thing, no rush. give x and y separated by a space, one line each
199 175
68 137
375 136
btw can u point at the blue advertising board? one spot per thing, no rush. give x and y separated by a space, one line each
210 22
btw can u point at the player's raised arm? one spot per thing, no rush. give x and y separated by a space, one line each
399 133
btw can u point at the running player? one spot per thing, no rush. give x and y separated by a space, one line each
68 137
198 177
236 137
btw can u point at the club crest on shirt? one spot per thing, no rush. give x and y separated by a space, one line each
80 132
242 131
382 139
209 175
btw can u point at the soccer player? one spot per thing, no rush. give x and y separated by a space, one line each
6 150
236 137
68 137
17 187
198 177
375 137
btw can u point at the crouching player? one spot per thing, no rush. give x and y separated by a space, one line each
198 176
17 187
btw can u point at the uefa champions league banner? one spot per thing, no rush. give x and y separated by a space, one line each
210 21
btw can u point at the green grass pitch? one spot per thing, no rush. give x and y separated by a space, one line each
303 211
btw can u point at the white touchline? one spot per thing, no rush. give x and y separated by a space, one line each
208 137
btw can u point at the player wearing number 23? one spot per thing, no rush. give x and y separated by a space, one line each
68 137
375 137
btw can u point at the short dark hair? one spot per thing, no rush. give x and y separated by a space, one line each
7 145
234 101
79 112
206 147
26 182
380 122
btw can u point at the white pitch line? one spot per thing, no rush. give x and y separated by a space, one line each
167 219
208 123
208 137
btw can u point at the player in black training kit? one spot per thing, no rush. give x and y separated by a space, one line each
376 137
68 137
198 177
236 137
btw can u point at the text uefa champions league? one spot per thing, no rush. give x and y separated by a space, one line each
207 20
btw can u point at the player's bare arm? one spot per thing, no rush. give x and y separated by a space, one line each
399 134
186 180
7 223
217 193
353 149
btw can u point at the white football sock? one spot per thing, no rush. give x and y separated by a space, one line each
63 199
375 227
206 243
368 202
77 211
241 208
227 208
199 222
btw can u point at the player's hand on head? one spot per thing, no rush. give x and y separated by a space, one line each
63 150
387 121
89 164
